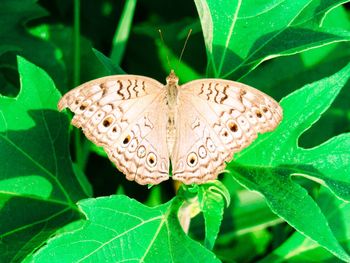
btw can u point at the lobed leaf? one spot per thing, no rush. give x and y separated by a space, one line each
266 166
299 248
16 40
239 35
121 229
38 187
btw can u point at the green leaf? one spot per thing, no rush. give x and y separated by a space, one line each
36 174
118 222
16 40
84 182
278 79
211 197
247 229
239 35
122 33
298 248
267 164
13 18
62 37
249 212
337 18
166 57
110 66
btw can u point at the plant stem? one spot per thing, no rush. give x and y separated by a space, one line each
76 40
76 76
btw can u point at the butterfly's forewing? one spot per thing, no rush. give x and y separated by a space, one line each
126 115
217 118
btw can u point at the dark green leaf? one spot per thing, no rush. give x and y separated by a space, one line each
15 39
62 37
110 66
38 187
85 184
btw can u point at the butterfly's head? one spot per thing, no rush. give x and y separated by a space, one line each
172 79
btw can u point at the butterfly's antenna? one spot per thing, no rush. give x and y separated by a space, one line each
162 39
183 49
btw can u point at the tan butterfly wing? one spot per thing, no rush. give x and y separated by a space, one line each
217 118
126 115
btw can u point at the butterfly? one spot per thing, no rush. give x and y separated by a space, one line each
144 125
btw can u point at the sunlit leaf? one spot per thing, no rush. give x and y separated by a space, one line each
38 187
239 35
266 166
116 222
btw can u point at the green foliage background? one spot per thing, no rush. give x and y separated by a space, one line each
283 199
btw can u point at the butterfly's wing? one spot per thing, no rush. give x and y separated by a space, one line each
217 118
126 115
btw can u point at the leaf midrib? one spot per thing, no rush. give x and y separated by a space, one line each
37 164
268 41
124 233
292 170
230 32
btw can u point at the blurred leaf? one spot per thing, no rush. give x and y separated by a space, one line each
298 248
246 248
13 17
174 35
248 213
62 37
155 196
15 39
110 66
84 182
98 150
245 231
123 30
116 222
166 57
38 186
267 164
239 35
